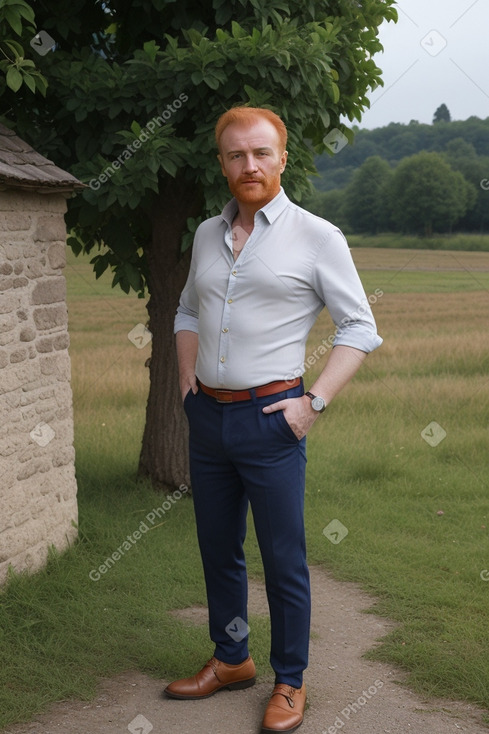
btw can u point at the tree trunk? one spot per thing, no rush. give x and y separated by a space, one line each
164 451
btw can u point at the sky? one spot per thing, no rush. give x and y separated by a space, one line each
437 52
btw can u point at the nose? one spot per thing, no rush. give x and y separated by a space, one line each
250 164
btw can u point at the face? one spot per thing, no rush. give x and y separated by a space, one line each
252 161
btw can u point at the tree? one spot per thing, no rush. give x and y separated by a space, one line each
17 30
427 195
442 114
463 157
404 144
135 87
366 202
396 141
328 205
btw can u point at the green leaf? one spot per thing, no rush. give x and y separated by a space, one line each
13 20
237 31
72 104
81 114
15 47
325 118
14 79
25 11
133 276
114 111
211 81
151 49
73 242
222 36
30 82
41 84
336 92
100 265
169 167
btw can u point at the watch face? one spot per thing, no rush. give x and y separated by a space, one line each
318 404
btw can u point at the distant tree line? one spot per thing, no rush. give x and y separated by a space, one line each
412 178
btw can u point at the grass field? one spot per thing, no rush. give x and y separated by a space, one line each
457 241
417 513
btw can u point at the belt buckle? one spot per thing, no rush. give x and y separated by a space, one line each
224 396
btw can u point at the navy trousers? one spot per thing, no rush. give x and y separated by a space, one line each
240 455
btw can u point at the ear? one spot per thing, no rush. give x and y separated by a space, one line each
219 158
283 161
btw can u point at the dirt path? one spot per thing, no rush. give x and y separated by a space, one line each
347 694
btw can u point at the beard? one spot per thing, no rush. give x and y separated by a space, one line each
259 193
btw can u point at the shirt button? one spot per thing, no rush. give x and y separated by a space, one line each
230 300
223 359
234 272
225 331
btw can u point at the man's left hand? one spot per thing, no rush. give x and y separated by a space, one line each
298 413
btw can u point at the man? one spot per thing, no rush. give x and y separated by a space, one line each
260 274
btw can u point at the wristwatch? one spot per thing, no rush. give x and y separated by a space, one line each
318 404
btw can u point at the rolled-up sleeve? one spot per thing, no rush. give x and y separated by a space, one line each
187 316
338 284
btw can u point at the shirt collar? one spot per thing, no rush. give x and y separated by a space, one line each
270 211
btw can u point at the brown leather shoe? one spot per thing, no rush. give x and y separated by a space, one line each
214 676
285 710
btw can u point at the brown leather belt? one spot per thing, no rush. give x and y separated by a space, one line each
233 396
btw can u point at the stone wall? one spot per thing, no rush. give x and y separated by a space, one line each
38 506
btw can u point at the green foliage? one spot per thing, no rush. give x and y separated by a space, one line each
121 65
366 198
396 141
17 17
329 205
427 195
464 146
461 242
463 157
442 114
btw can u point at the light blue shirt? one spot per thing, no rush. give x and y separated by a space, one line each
253 316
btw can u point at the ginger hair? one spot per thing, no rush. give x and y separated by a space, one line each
248 115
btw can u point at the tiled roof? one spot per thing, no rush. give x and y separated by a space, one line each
21 167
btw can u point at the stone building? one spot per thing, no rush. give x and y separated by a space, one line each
38 508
